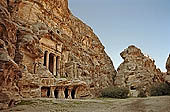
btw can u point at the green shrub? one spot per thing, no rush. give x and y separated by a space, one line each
115 92
159 89
141 93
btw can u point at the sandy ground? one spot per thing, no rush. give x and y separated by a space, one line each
151 104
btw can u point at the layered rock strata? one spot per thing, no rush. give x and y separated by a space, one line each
48 52
137 71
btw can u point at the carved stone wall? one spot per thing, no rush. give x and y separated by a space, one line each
48 52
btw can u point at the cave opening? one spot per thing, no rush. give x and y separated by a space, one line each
132 88
51 62
45 58
45 91
73 93
56 93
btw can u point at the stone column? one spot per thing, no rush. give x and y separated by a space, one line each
61 94
52 92
54 67
75 70
77 92
69 93
58 67
47 60
72 71
75 95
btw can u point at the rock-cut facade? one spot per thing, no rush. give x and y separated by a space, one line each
45 51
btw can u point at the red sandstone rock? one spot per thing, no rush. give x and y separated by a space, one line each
45 51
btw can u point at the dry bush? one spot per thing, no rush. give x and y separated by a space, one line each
115 92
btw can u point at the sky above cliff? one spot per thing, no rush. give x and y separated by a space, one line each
120 23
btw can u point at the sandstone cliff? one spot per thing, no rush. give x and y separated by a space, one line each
168 65
9 69
46 51
167 78
137 71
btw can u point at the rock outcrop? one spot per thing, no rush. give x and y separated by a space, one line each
168 65
45 51
167 78
138 71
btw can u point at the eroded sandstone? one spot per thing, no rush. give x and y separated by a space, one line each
168 65
138 71
167 78
48 52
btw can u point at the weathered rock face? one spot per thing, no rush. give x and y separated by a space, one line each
168 65
167 78
137 71
9 69
48 52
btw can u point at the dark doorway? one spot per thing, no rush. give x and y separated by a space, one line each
48 92
73 93
66 93
56 93
56 65
132 88
45 58
45 92
51 62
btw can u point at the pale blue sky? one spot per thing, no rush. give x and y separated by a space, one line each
120 23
